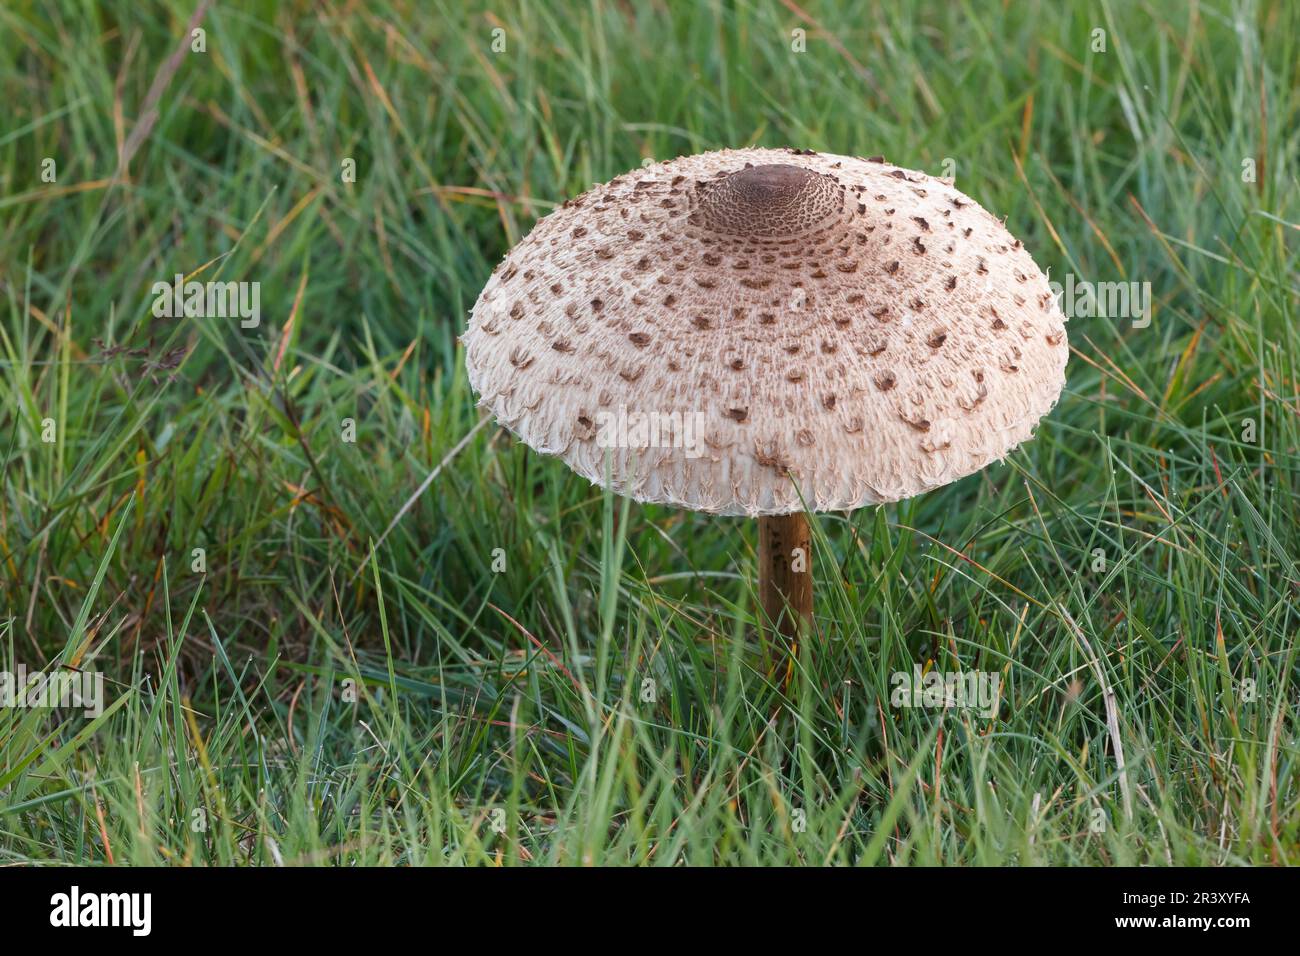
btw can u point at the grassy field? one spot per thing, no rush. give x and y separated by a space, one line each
333 680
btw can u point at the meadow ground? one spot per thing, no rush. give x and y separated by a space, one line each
294 673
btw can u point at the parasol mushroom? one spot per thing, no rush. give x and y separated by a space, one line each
842 331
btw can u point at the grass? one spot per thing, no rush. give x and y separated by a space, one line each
325 693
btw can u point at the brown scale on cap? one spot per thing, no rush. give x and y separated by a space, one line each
760 290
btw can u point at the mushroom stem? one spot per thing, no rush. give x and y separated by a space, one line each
785 583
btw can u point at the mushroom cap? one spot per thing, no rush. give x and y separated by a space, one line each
758 331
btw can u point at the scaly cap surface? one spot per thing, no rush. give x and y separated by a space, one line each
835 326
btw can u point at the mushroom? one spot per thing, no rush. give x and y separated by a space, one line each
769 332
